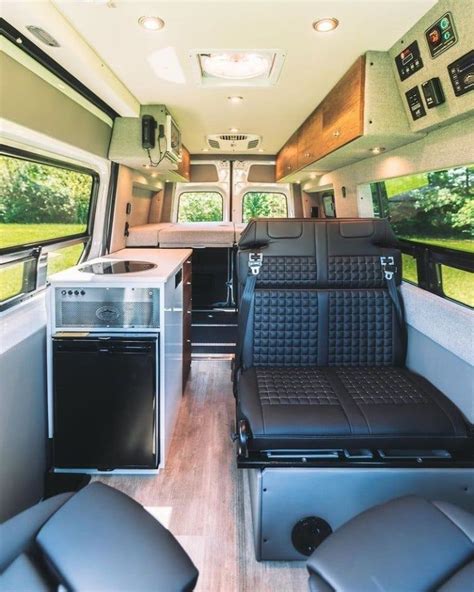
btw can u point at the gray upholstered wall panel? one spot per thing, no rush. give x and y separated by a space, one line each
450 373
35 104
23 431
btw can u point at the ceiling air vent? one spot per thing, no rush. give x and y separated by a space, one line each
43 36
234 142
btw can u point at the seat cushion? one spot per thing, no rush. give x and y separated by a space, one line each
103 540
406 544
346 407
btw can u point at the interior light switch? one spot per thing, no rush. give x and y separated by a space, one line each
433 92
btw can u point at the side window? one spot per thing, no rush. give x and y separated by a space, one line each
200 206
256 204
45 208
435 210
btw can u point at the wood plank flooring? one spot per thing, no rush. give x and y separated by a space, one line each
203 499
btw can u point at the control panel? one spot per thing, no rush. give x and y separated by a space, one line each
433 92
461 73
415 103
441 35
409 61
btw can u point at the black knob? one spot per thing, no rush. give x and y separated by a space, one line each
83 293
76 292
69 292
63 292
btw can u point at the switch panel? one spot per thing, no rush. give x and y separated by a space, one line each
433 92
415 104
441 35
409 61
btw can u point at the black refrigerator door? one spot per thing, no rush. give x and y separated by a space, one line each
104 403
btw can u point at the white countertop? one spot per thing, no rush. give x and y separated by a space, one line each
168 261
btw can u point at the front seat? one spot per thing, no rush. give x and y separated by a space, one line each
405 545
96 539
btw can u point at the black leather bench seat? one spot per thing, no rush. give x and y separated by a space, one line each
322 343
344 407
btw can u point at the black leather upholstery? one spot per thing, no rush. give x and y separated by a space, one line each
407 544
323 352
97 539
315 407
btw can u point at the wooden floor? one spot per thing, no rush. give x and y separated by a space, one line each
201 497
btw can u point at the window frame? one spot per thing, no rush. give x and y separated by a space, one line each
251 190
429 258
210 190
38 249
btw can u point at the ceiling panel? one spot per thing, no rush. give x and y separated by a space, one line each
313 63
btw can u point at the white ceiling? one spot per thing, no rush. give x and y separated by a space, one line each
121 50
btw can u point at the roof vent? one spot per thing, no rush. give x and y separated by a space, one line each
234 142
43 36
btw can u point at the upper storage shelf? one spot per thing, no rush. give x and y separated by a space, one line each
361 112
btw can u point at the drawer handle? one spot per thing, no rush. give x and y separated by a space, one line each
188 312
188 283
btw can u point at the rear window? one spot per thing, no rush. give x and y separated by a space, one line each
41 202
259 204
200 206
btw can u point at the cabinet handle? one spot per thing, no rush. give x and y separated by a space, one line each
336 133
289 167
188 283
188 312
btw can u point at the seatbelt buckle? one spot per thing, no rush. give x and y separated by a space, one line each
388 266
255 262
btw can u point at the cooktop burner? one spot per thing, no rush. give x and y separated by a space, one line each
117 267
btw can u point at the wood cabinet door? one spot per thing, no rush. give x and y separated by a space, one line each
184 167
343 109
309 139
287 158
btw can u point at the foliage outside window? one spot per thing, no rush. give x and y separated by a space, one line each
259 204
200 206
433 208
41 202
436 209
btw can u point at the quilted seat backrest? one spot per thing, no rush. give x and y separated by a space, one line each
321 297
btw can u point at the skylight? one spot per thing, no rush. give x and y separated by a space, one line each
237 67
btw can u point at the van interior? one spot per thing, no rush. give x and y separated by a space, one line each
236 295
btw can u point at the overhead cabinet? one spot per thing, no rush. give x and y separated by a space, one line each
362 111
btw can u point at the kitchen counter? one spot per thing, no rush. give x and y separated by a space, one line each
168 261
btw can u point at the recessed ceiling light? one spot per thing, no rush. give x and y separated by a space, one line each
233 130
236 65
313 176
325 25
261 150
377 150
151 23
235 99
205 149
